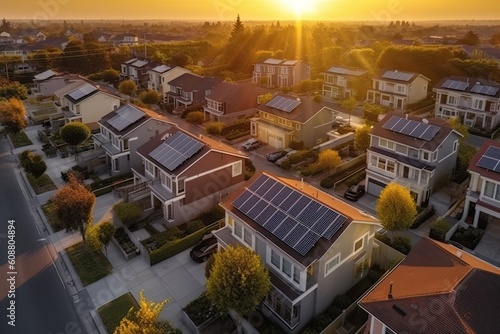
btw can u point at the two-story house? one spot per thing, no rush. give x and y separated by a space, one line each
154 81
338 82
396 89
161 75
435 289
281 72
137 70
483 194
228 101
87 104
475 101
188 175
48 82
190 90
414 152
286 118
315 245
124 39
122 131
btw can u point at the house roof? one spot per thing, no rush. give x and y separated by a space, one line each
444 130
302 113
161 68
235 97
473 165
344 71
437 289
88 89
323 244
122 110
470 85
189 82
399 76
272 61
45 75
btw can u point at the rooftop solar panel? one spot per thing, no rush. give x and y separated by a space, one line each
306 243
396 75
125 116
487 162
493 152
485 90
490 159
411 128
290 62
175 150
283 103
272 61
295 235
82 91
284 228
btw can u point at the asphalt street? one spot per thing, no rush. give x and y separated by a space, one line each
37 298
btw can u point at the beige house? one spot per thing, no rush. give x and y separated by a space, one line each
396 89
281 72
338 82
315 246
159 77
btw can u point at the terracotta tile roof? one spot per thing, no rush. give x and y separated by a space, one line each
483 171
435 291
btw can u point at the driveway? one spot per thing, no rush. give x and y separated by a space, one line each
488 248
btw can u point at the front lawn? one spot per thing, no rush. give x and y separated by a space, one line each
468 237
90 266
43 184
20 139
49 211
113 312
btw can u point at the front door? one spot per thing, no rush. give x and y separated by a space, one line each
406 171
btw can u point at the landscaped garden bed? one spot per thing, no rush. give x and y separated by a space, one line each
90 266
123 241
49 211
468 237
41 185
201 311
20 139
113 312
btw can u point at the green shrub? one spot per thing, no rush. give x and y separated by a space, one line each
328 182
196 117
25 157
317 98
469 237
175 247
109 181
236 135
383 238
439 229
170 234
345 129
302 155
297 145
212 215
127 212
342 301
214 128
320 322
286 165
312 169
402 244
193 226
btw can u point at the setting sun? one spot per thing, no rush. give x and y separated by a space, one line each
299 7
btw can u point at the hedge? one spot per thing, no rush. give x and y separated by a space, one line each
109 181
439 229
236 135
172 248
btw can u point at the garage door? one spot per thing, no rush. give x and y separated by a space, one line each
375 187
275 141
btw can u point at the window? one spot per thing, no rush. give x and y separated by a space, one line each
455 146
358 244
275 259
425 88
296 276
166 181
390 166
125 145
478 104
381 163
492 190
426 156
287 267
434 156
243 234
386 143
150 168
236 169
452 100
116 164
401 89
247 237
180 186
332 264
170 211
238 230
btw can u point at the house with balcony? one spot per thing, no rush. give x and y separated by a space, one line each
281 72
189 90
482 202
286 118
436 289
396 89
475 101
187 175
227 102
414 152
122 131
161 75
87 104
339 82
315 245
137 70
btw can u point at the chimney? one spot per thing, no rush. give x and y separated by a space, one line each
390 290
301 183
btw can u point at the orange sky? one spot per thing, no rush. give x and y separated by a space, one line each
223 10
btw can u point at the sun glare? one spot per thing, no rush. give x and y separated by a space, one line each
299 7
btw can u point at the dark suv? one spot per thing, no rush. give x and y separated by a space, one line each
202 250
354 192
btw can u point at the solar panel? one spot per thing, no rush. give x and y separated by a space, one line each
400 125
455 84
284 228
306 243
430 132
175 150
411 128
487 162
272 223
238 202
82 91
396 75
257 209
265 214
290 62
264 187
490 159
281 196
335 227
295 235
250 203
493 152
125 116
291 200
483 89
272 61
391 122
299 206
283 103
419 130
258 182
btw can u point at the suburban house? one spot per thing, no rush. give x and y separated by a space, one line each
124 130
315 245
190 90
154 81
339 82
48 82
414 152
124 39
475 101
187 175
227 102
396 89
482 201
159 77
286 118
88 103
281 72
137 70
435 289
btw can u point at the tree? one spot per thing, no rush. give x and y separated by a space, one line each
106 232
495 39
371 112
349 105
13 115
195 117
74 133
470 38
457 125
127 87
329 159
362 137
396 208
181 59
145 319
13 90
238 280
150 97
36 166
92 237
74 204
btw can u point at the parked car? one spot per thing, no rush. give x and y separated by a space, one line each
251 144
202 250
339 120
274 156
354 192
289 153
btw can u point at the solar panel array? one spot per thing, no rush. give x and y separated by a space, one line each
139 63
455 85
290 62
175 150
272 61
161 68
411 128
395 75
82 91
341 70
125 116
490 159
283 103
486 90
294 218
